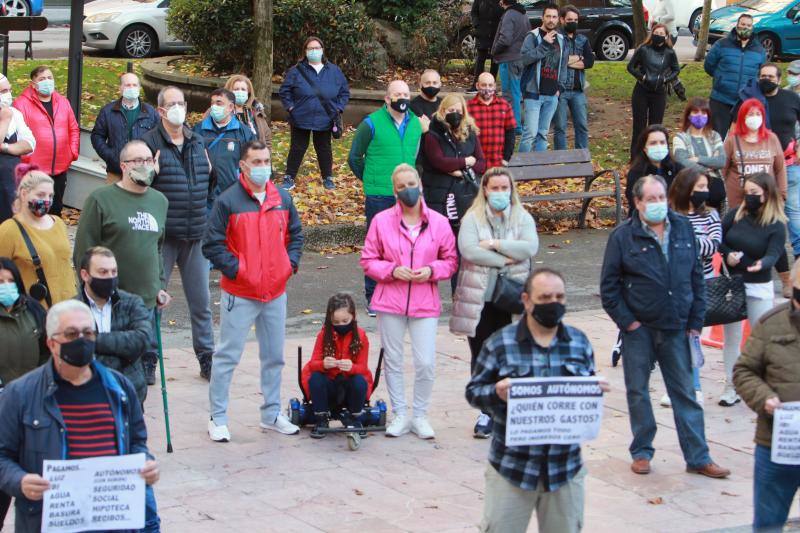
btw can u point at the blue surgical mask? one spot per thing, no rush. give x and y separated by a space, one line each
658 152
793 81
499 200
655 211
315 56
217 112
130 93
241 97
260 175
46 87
9 294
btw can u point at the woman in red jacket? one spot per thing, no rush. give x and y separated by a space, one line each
338 375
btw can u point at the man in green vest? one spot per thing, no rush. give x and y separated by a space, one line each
384 139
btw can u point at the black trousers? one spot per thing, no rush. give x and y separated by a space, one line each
721 117
298 146
480 62
491 320
59 187
5 503
648 108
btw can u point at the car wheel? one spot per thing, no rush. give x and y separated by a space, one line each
137 42
613 46
467 45
771 45
17 8
694 18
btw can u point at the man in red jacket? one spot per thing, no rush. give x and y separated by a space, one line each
52 121
255 239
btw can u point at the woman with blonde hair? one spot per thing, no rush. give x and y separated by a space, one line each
453 160
54 281
753 239
497 235
249 111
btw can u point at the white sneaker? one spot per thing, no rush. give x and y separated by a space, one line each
218 433
281 425
698 395
400 426
421 428
729 397
665 401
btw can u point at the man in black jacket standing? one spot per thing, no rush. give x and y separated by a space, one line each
652 287
485 16
506 52
183 176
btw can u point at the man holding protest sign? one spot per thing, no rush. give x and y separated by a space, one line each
767 377
45 414
546 477
652 287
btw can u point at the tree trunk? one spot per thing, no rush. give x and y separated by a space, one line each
639 28
262 58
702 38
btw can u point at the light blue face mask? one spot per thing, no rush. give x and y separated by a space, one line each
9 294
315 56
46 87
499 200
793 81
260 175
241 97
130 93
655 212
657 152
217 112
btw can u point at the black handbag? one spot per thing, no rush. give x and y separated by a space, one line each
39 290
725 299
338 128
507 294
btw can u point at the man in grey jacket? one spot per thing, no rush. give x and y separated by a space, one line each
506 52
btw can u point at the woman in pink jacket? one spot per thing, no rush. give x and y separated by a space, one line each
409 249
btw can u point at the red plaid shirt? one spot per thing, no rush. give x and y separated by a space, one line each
493 120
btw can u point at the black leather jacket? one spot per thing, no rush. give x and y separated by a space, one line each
653 67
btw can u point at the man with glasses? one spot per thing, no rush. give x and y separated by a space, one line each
125 119
62 410
182 173
129 218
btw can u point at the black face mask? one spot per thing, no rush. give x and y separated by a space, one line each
343 329
79 352
431 92
548 315
409 196
767 86
454 119
570 27
104 287
698 198
752 202
400 105
658 40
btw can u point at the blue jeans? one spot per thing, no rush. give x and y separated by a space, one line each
152 523
372 206
575 102
696 378
640 348
512 92
793 206
333 394
538 114
774 487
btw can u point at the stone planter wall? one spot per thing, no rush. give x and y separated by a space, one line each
156 75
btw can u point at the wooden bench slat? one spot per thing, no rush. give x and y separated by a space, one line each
580 170
566 196
552 157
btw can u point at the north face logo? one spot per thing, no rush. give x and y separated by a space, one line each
143 222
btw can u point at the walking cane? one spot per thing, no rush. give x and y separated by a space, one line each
163 380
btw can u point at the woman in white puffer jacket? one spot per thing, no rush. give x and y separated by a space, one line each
496 234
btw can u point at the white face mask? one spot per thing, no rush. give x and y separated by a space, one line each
753 122
176 115
6 99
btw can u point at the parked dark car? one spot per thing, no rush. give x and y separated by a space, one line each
607 23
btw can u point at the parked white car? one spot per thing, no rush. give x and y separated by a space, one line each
134 28
686 11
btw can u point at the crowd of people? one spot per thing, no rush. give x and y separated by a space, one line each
441 205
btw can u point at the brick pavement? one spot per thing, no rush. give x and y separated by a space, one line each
270 482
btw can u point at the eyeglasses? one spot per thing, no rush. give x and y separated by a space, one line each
139 161
173 104
72 334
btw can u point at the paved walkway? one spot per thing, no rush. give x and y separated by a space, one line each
270 482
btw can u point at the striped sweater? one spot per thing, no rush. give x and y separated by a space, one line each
708 230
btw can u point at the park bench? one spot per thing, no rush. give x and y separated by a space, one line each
565 164
25 24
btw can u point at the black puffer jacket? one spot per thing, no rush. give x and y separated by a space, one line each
654 66
485 15
122 348
183 178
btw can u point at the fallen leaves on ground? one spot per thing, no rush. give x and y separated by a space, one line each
658 500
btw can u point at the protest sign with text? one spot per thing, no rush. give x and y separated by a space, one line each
786 434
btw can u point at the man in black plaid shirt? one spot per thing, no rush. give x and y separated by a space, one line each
520 479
